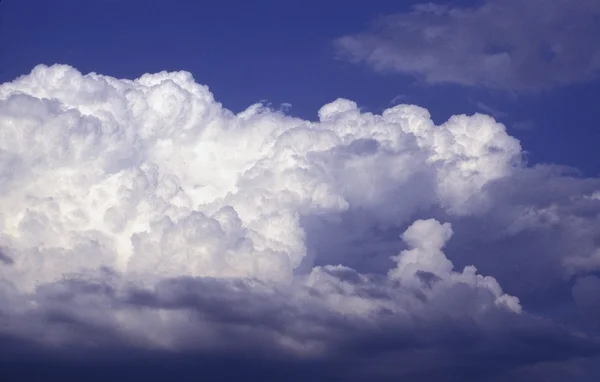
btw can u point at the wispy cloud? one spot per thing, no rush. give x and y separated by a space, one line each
400 98
490 110
516 45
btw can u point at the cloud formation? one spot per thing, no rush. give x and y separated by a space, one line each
509 45
142 216
153 176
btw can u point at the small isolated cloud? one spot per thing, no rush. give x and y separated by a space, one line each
490 110
285 106
141 219
400 98
515 45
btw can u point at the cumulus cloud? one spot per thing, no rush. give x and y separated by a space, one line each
141 214
154 176
508 45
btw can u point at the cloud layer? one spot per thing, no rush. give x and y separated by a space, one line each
141 214
508 45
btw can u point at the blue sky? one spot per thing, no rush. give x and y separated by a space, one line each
282 52
147 232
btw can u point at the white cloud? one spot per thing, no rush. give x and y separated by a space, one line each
500 44
144 212
153 175
400 98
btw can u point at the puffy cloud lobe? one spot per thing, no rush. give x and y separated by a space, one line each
143 214
143 172
509 45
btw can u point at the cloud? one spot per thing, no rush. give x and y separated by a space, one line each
140 218
400 98
5 259
396 326
153 176
490 110
507 45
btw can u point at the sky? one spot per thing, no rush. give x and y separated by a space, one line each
348 191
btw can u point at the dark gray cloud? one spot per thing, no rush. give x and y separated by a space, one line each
433 344
520 45
4 258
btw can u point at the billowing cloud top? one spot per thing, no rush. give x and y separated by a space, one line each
143 214
520 45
